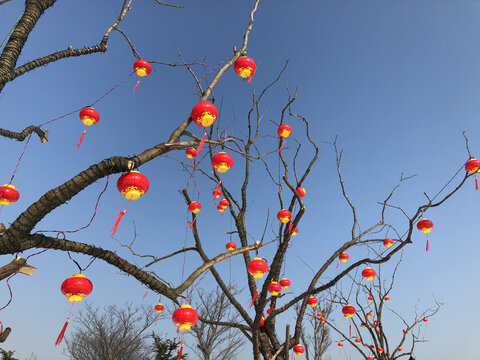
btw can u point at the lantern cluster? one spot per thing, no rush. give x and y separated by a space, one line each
8 194
223 205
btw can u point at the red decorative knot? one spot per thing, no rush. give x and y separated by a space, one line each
132 185
191 153
245 67
425 225
348 311
301 191
312 301
222 162
284 216
230 246
284 131
8 195
204 114
89 116
159 308
76 288
298 349
285 283
388 242
274 288
142 68
343 257
194 207
368 274
185 317
257 268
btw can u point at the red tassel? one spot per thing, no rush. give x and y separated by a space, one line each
193 222
81 138
156 321
338 264
281 147
200 146
371 291
350 329
253 299
119 217
476 182
428 245
250 79
290 228
60 336
179 357
144 296
136 86
292 243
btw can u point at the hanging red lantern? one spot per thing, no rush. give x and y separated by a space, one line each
348 311
358 341
298 349
274 288
369 358
89 116
257 268
76 288
425 319
295 232
368 274
223 205
301 191
284 216
285 283
230 246
204 114
388 242
245 67
425 226
194 207
132 185
340 344
159 308
369 315
8 194
216 193
142 68
185 317
312 301
222 162
387 299
284 131
380 350
261 322
473 167
372 347
191 153
343 257
399 349
322 319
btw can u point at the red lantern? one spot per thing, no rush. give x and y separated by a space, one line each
399 349
322 319
388 242
358 341
191 153
8 194
370 298
142 68
425 225
204 114
298 349
284 216
312 301
261 322
370 358
230 246
343 257
185 317
380 350
369 315
301 191
285 283
372 347
222 162
295 232
387 299
340 345
284 131
89 116
274 288
368 274
269 311
216 193
133 185
348 311
194 207
257 268
425 319
223 205
473 167
245 67
76 288
159 308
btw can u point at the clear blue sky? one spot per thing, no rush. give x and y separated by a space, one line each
398 82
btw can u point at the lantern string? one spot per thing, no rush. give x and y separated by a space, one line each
198 282
20 159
